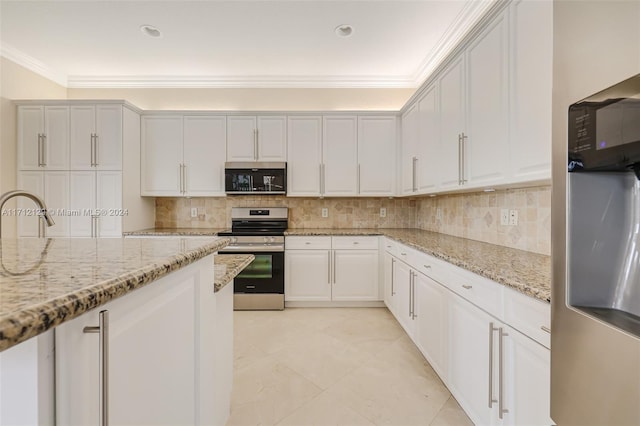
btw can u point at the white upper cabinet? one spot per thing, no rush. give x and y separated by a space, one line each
377 155
485 148
43 137
304 151
452 124
531 53
95 137
409 150
428 141
183 155
161 155
251 138
340 155
204 153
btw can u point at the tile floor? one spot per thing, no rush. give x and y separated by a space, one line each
342 366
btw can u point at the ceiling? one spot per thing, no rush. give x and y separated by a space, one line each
266 43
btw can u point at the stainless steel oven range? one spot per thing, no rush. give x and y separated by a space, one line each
258 231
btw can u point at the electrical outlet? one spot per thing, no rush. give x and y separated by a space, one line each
439 213
504 217
194 212
513 217
383 212
325 212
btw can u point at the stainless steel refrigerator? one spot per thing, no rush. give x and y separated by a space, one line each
595 348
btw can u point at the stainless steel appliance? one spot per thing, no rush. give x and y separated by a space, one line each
595 347
258 231
242 178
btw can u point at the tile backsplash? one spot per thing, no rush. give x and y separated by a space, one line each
475 216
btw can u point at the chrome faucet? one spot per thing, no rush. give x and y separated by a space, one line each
41 205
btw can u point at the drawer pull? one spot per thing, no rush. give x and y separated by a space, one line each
427 266
388 246
355 242
545 329
307 243
466 286
403 254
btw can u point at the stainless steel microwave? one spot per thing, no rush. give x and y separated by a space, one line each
243 178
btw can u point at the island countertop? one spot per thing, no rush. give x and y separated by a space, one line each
45 282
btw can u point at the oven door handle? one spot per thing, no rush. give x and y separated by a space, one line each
253 248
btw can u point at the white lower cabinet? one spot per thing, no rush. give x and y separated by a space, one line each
161 352
470 329
323 269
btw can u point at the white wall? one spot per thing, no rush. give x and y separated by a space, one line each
254 99
17 82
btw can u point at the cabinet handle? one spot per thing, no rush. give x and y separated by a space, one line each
358 178
393 264
491 330
186 183
255 144
413 296
91 150
403 254
410 293
324 178
463 161
459 159
356 242
103 331
334 267
501 409
95 149
414 160
44 149
329 266
180 177
39 149
545 329
427 266
467 287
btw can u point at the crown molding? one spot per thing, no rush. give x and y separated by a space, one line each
32 64
469 16
321 82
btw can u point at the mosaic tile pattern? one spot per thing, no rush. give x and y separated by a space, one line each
227 266
45 282
529 273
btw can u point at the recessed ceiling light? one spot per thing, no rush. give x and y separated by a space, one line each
151 31
344 30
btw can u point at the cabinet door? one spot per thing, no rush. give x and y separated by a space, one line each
304 153
452 123
409 144
30 127
56 195
431 305
402 277
486 149
242 138
469 359
272 138
56 141
82 129
428 165
31 181
526 380
377 155
307 275
161 155
204 155
355 275
340 155
109 204
530 101
142 390
387 268
82 199
109 137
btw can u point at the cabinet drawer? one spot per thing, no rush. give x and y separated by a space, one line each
435 269
478 290
355 243
308 243
528 315
390 246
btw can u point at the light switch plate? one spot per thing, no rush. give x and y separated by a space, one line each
325 212
194 212
513 217
504 217
383 212
439 213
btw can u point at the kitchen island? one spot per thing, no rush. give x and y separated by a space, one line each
164 321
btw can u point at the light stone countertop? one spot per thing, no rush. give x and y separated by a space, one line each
186 232
526 272
228 266
45 282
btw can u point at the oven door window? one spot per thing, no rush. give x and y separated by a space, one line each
260 268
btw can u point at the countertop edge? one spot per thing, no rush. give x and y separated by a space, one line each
44 316
234 264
